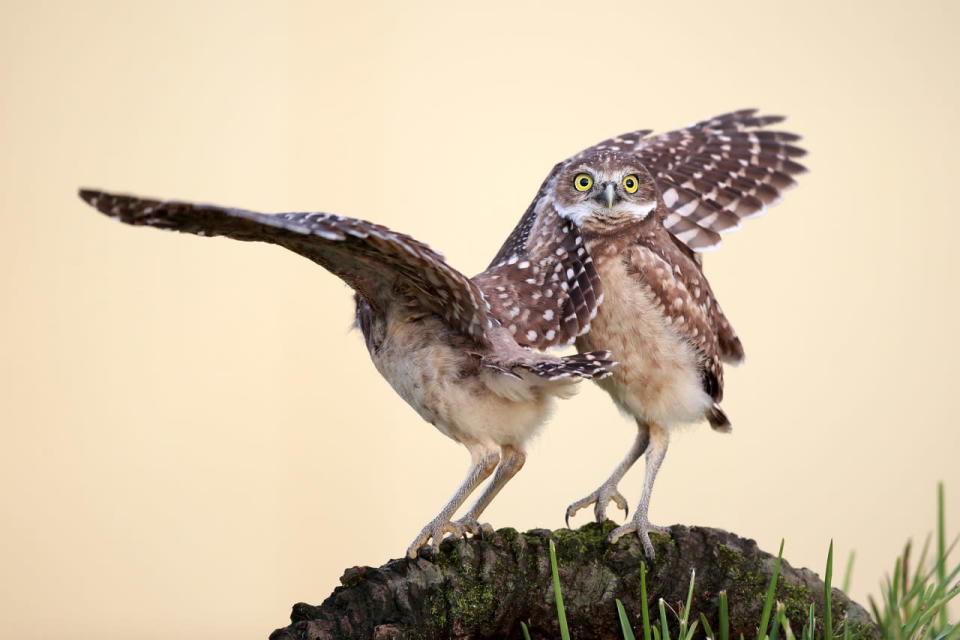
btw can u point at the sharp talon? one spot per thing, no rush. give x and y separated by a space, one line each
647 546
567 519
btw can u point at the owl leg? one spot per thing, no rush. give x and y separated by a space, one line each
659 440
607 492
511 461
483 460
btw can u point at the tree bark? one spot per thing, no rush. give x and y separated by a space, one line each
483 588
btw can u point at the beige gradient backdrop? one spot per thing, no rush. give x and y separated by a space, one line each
192 437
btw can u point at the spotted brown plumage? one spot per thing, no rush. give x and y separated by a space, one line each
428 328
644 207
675 282
544 284
714 173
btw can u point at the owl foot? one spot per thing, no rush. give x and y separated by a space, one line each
435 531
605 493
642 527
471 526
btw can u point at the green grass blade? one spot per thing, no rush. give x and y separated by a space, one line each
724 617
893 601
561 614
656 633
785 625
624 623
810 627
664 631
875 608
693 629
905 567
941 551
685 612
848 573
706 627
645 614
828 597
768 601
922 564
526 632
775 627
936 607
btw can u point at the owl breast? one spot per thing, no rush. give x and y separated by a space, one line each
658 377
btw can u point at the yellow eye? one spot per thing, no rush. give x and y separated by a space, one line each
583 182
630 184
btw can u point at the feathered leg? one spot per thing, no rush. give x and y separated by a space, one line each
657 449
607 492
511 461
484 459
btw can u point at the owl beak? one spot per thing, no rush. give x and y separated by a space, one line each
608 196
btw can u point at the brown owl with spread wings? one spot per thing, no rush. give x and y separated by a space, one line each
430 330
642 208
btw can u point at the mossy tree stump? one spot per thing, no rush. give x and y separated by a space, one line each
484 588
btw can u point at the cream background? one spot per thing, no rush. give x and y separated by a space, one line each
192 438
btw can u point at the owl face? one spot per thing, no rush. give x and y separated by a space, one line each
605 188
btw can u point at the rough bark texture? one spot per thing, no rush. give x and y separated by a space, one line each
484 588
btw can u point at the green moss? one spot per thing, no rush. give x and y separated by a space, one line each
662 543
590 539
438 612
468 597
749 580
508 537
751 583
473 606
795 598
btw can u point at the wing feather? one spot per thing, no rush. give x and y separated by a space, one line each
543 284
716 172
371 258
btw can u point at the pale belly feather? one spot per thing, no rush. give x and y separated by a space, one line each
658 378
427 372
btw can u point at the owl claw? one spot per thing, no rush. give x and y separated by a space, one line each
432 534
604 494
471 526
642 527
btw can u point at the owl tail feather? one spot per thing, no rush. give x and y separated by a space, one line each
718 419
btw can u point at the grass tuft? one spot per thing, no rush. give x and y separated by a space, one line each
913 605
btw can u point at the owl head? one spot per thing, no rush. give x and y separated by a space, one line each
605 188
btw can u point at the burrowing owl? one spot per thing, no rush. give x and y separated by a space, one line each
643 208
430 330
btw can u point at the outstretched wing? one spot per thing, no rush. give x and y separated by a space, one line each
377 262
715 173
542 285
